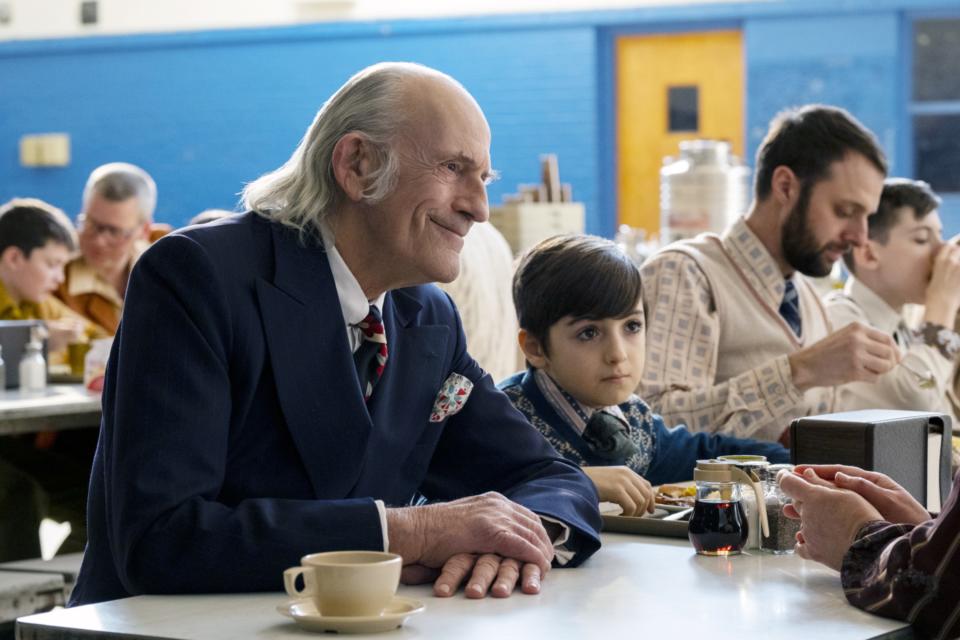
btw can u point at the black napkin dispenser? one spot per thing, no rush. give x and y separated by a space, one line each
912 447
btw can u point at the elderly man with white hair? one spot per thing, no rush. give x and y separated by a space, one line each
283 381
118 204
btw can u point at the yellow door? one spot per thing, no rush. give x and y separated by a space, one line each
672 87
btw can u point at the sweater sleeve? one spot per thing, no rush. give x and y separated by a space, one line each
909 572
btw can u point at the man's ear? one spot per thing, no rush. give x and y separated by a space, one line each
784 186
144 233
866 257
12 257
532 349
352 164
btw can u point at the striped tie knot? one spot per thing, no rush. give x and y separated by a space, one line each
372 326
370 357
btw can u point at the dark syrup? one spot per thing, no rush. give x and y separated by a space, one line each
717 528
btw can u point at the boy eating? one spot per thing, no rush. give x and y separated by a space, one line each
581 316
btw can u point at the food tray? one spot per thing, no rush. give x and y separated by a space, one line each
646 526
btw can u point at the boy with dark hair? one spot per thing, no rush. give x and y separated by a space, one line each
904 261
36 241
580 309
740 342
38 480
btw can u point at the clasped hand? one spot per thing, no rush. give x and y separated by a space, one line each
833 502
487 540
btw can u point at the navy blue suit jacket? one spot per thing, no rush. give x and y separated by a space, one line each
235 438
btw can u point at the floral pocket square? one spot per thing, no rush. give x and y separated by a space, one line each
453 395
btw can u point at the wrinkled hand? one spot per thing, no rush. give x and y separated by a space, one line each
488 537
943 292
624 487
488 573
829 517
62 333
893 502
854 353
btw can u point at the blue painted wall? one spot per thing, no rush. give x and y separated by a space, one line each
848 61
206 115
205 112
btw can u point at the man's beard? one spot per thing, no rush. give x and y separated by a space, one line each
799 243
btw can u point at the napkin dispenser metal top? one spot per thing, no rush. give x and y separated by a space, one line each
912 447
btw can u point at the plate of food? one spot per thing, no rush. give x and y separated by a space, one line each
676 495
674 504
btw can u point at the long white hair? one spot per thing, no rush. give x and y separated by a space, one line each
304 190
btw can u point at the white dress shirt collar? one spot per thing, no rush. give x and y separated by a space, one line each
353 302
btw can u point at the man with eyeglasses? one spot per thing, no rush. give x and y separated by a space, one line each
118 204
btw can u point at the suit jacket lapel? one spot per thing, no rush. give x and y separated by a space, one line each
402 399
313 365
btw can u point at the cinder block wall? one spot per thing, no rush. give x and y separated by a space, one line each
206 112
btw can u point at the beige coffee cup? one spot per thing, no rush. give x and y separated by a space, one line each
346 583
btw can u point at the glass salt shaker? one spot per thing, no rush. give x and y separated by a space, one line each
783 530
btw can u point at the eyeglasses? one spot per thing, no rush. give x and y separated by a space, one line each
110 232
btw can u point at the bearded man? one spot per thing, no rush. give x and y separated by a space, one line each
738 341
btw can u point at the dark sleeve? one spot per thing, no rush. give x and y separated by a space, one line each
678 451
490 446
908 572
165 447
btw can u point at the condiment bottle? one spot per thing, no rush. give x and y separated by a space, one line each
718 526
758 466
33 368
783 530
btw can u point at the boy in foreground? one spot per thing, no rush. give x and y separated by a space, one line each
580 309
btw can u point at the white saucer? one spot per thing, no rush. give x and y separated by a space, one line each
305 613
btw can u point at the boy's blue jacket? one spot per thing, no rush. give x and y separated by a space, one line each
667 455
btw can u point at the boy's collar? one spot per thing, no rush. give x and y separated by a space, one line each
13 310
567 407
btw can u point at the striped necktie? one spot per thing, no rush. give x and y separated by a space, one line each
790 307
371 356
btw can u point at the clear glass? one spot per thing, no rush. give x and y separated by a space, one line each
718 526
783 530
